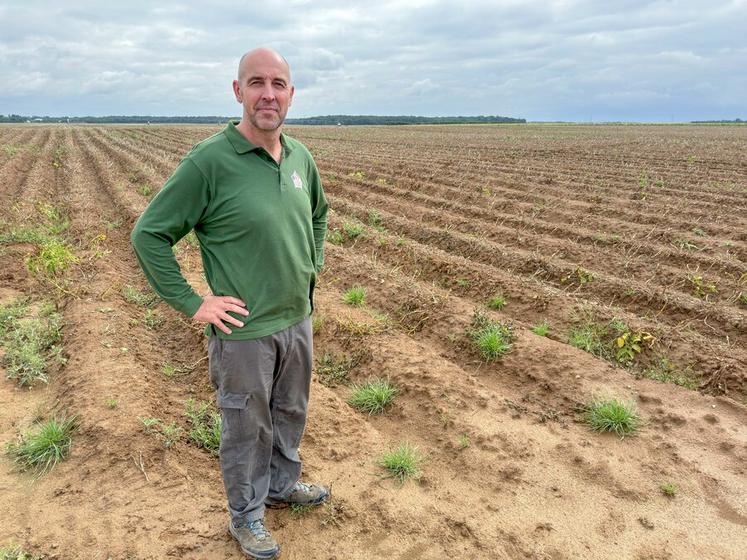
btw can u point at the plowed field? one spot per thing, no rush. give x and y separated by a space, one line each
602 233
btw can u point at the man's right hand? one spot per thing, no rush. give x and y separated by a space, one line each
214 310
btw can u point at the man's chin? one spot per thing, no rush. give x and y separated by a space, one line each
267 124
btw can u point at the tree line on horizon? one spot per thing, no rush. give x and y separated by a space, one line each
321 120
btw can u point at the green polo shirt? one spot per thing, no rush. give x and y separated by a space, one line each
261 227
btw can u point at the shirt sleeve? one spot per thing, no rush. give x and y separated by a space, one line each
319 209
170 216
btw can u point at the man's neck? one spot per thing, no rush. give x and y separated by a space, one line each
269 140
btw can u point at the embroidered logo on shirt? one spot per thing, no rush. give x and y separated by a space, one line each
297 180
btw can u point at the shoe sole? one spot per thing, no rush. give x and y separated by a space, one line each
283 505
255 555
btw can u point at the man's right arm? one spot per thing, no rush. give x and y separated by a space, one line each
170 216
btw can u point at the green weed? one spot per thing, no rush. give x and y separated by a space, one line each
357 175
10 313
153 319
493 339
686 244
353 230
699 232
464 441
542 328
30 344
581 276
374 218
666 371
401 463
373 396
299 510
16 552
206 425
112 403
143 299
701 288
463 283
742 298
355 296
335 237
497 302
41 448
628 343
145 189
612 415
333 371
669 489
169 434
317 323
53 258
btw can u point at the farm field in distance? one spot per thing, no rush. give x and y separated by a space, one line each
610 260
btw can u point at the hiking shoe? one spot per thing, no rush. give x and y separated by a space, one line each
255 540
301 494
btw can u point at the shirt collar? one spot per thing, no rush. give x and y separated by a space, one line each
242 145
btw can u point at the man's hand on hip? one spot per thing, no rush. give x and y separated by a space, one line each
214 310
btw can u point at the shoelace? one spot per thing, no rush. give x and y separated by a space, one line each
304 487
258 530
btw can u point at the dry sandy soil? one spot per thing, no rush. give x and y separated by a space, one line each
573 225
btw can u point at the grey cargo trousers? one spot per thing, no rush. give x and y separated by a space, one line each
262 388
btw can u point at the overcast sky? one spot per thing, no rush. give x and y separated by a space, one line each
542 60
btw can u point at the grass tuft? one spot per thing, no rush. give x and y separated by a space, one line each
355 296
612 415
542 328
53 258
40 449
16 552
143 299
493 339
30 344
333 371
669 489
206 425
498 302
373 396
401 463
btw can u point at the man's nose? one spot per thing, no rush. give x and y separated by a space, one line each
268 92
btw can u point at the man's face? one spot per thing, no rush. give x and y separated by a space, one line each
265 91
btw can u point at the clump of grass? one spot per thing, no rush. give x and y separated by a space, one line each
492 338
30 345
142 299
497 302
666 371
145 189
24 234
588 337
299 510
333 371
317 323
53 258
169 434
355 296
153 319
374 218
580 276
16 552
10 313
206 425
373 396
401 463
112 403
335 237
464 441
40 449
669 489
742 298
542 328
612 415
702 288
353 230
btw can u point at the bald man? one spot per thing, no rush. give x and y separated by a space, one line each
255 201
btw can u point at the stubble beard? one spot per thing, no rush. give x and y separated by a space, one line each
267 125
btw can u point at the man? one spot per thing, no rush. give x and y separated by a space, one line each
255 201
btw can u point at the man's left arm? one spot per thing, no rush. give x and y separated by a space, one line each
319 209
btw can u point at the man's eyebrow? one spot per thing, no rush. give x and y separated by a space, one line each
258 77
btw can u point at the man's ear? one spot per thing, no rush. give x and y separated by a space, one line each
292 91
237 90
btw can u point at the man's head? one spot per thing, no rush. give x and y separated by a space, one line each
264 88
